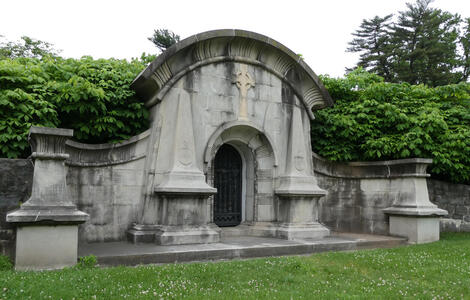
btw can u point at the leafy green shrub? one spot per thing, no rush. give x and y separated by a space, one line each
5 263
93 97
374 120
24 101
86 262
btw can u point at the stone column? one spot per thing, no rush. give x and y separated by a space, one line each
412 214
298 192
47 224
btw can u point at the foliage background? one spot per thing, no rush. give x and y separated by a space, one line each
421 44
371 120
376 120
92 97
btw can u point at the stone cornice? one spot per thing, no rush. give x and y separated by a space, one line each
411 167
231 45
98 155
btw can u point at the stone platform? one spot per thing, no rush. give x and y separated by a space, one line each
231 247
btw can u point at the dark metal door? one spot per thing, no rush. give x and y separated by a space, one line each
228 181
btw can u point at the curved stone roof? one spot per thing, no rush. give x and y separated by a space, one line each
230 45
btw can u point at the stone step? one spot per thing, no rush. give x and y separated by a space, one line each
123 253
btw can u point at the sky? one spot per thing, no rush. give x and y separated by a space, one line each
319 30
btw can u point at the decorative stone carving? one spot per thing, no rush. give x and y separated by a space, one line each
244 82
230 45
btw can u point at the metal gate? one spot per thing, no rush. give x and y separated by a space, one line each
228 181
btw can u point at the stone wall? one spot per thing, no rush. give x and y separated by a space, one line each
16 176
455 198
354 205
359 191
111 190
107 182
110 195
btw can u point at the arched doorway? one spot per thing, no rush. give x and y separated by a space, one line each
228 181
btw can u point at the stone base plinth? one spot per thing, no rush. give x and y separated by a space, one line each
46 247
172 235
299 231
417 229
142 233
264 229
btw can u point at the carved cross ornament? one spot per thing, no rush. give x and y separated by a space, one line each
244 82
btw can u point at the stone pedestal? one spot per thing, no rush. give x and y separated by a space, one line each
418 230
47 224
46 246
180 200
298 216
298 191
184 218
413 215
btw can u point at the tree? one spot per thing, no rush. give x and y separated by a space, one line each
419 47
373 40
465 44
164 38
26 47
425 44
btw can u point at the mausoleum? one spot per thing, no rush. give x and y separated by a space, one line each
228 146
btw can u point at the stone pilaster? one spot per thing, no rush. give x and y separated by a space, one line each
298 191
412 214
47 224
183 194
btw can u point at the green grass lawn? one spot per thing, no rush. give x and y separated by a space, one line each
438 270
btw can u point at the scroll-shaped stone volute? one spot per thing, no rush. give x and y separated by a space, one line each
49 201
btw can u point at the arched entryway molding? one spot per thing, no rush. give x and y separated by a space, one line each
259 168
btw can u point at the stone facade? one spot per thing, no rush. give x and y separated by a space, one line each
237 88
